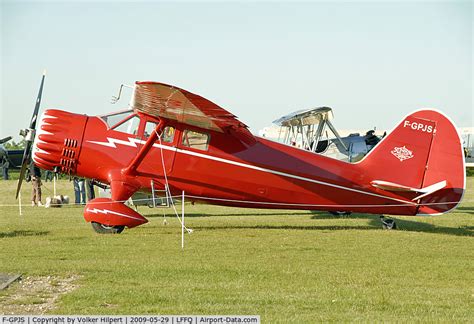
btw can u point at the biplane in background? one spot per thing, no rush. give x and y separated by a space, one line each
14 157
308 129
175 140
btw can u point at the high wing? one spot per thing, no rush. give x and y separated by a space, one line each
163 100
305 117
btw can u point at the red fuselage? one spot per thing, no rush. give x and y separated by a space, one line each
229 171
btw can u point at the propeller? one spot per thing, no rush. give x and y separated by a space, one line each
6 139
29 135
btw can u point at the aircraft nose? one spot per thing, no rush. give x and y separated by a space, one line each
58 141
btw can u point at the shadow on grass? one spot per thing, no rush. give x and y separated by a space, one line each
325 215
233 215
23 233
288 227
403 224
374 223
414 226
469 210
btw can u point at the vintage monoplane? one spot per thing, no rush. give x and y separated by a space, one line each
172 139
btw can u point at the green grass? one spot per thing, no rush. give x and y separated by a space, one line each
287 266
469 172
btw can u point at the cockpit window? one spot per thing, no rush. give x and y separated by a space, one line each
129 126
114 118
196 140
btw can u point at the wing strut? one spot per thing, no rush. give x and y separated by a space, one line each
131 169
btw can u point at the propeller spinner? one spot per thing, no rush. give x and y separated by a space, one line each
29 135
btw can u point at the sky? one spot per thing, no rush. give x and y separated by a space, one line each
372 62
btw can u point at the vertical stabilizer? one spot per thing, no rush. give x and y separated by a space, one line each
421 153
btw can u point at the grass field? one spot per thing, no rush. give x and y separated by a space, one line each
286 266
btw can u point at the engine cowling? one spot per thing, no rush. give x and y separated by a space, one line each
58 141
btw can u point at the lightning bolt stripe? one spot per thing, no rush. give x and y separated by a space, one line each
106 211
112 141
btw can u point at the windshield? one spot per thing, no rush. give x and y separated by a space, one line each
114 118
129 126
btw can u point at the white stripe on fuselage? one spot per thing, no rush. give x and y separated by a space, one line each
132 142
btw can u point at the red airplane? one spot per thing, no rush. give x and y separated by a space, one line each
172 137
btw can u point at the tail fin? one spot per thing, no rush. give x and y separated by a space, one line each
421 159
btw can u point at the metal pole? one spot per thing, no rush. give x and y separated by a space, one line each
153 193
54 184
19 203
182 220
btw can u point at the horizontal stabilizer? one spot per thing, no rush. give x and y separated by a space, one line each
390 186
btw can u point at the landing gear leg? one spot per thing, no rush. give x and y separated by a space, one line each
388 223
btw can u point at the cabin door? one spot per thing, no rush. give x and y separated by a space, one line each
166 147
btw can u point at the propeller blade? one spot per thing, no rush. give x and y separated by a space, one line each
37 106
29 136
6 139
24 165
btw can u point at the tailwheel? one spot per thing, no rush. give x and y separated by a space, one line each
106 229
388 223
340 213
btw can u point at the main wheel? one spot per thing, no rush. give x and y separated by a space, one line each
106 229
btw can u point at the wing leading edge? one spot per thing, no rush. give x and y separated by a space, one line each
162 100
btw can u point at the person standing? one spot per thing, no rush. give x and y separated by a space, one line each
90 189
35 174
79 190
5 166
48 176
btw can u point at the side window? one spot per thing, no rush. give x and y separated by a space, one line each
168 134
130 126
196 140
